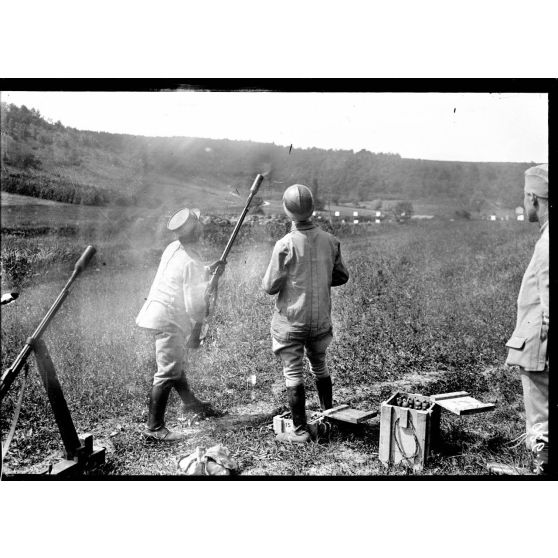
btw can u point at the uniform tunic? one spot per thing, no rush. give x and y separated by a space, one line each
175 301
304 265
526 348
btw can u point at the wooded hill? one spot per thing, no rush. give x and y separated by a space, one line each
53 161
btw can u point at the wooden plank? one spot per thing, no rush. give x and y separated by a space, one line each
334 410
466 405
423 433
451 395
403 415
353 416
384 449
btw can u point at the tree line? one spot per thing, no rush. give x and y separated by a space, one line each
30 143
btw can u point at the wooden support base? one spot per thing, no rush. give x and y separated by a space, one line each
88 456
79 452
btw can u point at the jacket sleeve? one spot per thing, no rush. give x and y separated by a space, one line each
542 274
340 274
276 273
194 285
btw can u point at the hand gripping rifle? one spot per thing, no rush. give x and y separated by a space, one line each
200 328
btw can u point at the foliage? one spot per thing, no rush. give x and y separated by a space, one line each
402 211
462 214
56 188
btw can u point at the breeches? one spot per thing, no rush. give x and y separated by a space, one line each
170 355
292 355
535 395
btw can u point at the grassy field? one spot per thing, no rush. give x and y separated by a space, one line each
428 309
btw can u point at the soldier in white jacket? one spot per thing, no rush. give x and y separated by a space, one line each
175 301
528 345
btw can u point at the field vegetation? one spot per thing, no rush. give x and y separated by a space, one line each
428 309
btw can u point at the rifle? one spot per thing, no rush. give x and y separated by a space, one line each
199 330
9 376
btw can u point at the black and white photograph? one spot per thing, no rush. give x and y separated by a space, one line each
275 279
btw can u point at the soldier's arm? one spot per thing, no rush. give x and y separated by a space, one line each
276 273
543 285
194 284
340 274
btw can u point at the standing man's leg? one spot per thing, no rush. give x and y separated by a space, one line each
316 350
535 396
169 354
292 353
190 403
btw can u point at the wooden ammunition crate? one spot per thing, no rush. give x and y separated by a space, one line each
406 433
410 424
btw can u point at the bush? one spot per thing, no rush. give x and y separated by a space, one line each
402 211
54 188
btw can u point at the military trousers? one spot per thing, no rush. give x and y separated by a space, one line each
170 355
291 351
535 396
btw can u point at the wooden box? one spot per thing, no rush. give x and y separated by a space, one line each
406 433
410 424
284 423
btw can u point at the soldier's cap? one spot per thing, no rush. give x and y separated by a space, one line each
536 180
298 202
184 221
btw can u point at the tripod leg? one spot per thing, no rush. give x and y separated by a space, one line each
59 407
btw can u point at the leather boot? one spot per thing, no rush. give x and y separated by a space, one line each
190 403
156 428
297 403
325 392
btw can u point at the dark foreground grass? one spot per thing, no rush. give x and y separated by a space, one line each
428 308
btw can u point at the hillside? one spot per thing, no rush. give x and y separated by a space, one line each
52 161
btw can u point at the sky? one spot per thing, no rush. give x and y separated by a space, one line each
507 127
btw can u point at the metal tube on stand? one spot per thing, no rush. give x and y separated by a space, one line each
9 376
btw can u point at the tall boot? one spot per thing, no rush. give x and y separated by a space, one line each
325 392
297 403
190 403
156 428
